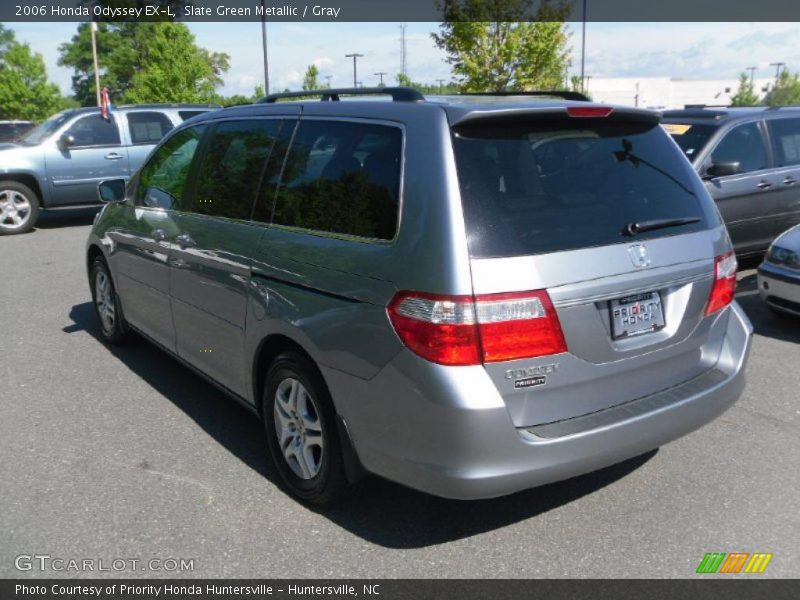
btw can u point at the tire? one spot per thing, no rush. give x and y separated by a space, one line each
19 208
300 423
107 308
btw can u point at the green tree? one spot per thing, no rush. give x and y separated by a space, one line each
745 95
238 99
786 90
491 49
143 62
310 79
25 92
426 88
173 68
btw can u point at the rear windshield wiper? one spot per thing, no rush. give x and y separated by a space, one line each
632 229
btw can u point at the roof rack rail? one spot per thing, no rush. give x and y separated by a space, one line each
398 94
565 94
689 106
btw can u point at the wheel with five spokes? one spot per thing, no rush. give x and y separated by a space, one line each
113 326
301 430
19 208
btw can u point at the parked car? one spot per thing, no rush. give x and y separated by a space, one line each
779 274
11 130
469 296
60 162
749 159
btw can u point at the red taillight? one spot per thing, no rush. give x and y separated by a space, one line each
467 330
589 111
724 286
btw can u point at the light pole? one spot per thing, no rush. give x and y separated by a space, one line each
752 74
93 27
441 83
355 56
381 74
328 78
778 66
583 49
264 48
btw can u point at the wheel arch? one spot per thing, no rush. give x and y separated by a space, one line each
28 180
92 253
269 348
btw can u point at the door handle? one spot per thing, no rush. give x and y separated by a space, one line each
185 241
159 235
113 156
789 181
763 185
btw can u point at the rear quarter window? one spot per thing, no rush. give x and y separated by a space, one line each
537 187
343 178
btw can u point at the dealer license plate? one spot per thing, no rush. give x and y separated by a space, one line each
637 314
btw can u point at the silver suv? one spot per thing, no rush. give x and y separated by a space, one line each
467 295
60 162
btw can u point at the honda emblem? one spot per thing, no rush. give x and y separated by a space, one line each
640 257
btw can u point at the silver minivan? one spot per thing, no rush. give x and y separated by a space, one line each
468 295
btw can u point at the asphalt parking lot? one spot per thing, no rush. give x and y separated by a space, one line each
123 453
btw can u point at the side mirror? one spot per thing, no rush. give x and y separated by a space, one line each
722 169
111 190
66 140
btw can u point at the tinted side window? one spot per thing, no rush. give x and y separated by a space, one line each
188 114
744 145
148 127
232 168
342 178
94 130
162 181
786 141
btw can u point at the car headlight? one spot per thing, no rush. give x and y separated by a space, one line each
783 256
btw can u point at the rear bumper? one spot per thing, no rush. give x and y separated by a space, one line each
779 288
447 431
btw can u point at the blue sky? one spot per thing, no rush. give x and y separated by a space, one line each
684 50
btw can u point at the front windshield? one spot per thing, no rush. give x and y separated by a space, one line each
41 132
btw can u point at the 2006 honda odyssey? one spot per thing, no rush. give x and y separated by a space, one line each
469 295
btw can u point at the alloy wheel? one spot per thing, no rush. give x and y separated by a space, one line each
298 427
104 299
15 209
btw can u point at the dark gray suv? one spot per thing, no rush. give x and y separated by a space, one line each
467 295
749 159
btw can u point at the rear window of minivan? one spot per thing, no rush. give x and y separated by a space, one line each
536 187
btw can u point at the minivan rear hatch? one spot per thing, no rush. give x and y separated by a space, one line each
597 207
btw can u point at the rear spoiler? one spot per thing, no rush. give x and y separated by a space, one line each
614 113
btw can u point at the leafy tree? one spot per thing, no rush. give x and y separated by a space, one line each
136 58
786 90
745 95
310 80
173 68
25 92
491 49
238 99
425 88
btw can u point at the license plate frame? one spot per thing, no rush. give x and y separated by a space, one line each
636 315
